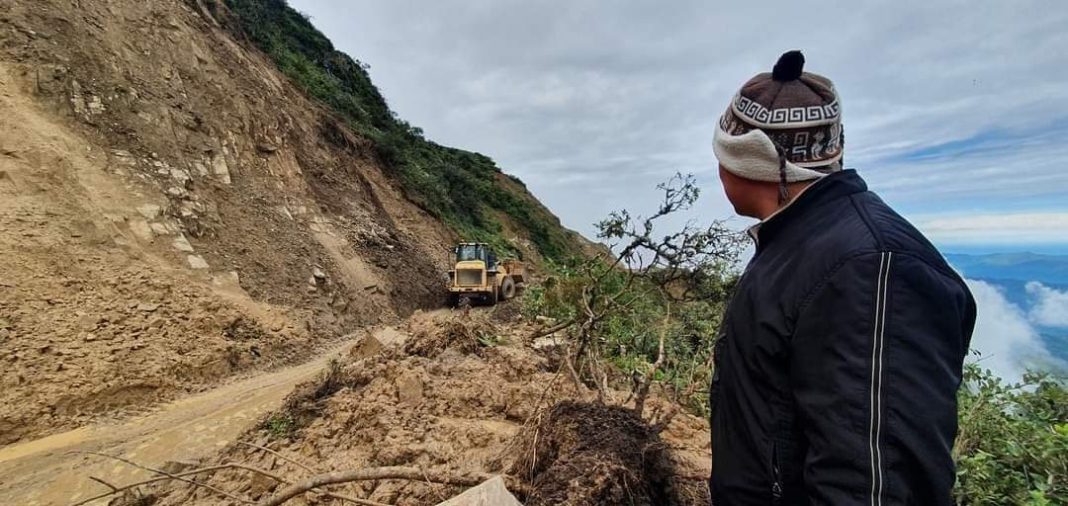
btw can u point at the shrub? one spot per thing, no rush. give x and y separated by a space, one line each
1012 445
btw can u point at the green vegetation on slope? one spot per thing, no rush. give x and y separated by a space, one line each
1012 445
465 190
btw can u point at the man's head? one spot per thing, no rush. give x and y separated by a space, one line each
781 132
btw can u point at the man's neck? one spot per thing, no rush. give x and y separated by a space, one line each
771 206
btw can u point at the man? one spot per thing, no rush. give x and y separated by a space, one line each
839 360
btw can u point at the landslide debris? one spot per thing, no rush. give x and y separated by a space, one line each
502 409
463 335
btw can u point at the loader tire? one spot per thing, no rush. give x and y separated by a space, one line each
507 288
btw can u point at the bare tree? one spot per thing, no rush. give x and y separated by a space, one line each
677 267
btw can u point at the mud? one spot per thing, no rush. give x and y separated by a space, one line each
592 454
464 412
463 335
47 472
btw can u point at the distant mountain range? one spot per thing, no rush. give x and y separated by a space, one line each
1050 270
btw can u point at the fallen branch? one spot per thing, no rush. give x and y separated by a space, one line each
151 480
104 483
376 473
552 330
161 472
180 477
279 455
356 500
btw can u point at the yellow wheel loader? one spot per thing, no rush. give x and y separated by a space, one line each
478 276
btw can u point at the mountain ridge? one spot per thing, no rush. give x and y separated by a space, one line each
1024 266
465 189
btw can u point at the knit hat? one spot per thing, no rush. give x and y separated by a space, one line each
783 126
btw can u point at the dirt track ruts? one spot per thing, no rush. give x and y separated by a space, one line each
45 472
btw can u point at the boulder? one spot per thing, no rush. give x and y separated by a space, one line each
491 492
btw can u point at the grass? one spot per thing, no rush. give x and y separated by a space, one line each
280 425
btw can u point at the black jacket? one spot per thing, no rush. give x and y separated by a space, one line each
839 359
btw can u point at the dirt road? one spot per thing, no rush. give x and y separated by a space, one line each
45 472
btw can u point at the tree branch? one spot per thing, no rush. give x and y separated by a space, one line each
161 472
377 473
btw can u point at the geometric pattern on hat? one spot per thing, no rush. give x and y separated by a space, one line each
806 146
761 116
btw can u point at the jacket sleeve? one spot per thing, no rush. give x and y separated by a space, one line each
876 358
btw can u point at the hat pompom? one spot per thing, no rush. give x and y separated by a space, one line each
789 66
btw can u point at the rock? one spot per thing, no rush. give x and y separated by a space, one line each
546 342
181 176
196 262
182 244
159 229
95 105
147 307
175 467
76 98
367 346
264 147
409 389
491 492
149 211
219 167
175 191
141 229
227 280
260 485
318 273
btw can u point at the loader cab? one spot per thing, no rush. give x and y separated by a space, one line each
476 252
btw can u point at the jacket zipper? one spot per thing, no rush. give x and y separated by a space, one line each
776 483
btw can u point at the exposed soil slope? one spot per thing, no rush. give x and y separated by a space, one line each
174 210
96 315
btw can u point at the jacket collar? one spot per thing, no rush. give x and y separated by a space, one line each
834 186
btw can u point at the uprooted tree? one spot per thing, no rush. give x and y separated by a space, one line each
650 305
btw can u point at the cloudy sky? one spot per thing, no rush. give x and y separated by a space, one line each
956 112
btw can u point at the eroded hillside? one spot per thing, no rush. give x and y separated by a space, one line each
174 209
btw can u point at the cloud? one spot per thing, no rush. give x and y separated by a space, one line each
1007 343
1007 228
1050 308
949 107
